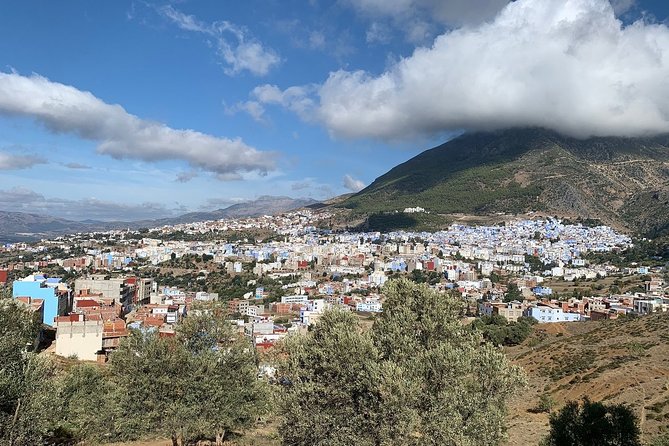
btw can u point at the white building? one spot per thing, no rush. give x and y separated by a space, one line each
545 313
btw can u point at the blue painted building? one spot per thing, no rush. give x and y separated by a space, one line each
542 291
56 295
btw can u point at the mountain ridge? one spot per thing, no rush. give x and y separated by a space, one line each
623 182
24 226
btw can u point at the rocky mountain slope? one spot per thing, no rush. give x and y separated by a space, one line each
623 182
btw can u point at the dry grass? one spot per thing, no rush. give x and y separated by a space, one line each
623 361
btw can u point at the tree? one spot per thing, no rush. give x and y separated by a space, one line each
27 400
330 376
418 377
154 375
90 404
499 331
593 424
661 440
226 372
201 383
512 293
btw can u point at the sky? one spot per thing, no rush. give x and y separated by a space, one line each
132 109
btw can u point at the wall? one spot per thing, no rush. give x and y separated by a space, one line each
80 338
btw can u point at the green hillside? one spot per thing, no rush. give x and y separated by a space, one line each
620 181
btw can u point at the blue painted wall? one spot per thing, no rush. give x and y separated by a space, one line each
54 305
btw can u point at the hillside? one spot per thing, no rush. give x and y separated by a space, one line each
624 182
18 226
623 361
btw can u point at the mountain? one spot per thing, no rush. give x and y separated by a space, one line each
264 205
15 226
21 226
623 182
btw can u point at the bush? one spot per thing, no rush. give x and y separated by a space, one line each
593 423
546 404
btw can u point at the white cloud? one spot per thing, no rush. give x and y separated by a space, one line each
378 33
65 109
239 50
11 161
254 109
353 184
419 19
622 6
295 99
301 185
570 66
453 12
316 40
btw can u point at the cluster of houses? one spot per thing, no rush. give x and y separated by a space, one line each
346 270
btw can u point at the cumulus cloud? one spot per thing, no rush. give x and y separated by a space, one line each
65 109
622 6
353 184
419 19
448 12
21 199
571 66
239 50
296 99
12 161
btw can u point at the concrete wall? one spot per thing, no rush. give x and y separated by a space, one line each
80 338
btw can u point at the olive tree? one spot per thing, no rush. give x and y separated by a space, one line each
418 377
28 400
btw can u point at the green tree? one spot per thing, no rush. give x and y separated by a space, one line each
418 377
546 403
90 404
593 424
226 376
330 376
661 440
201 383
499 331
155 376
27 400
513 293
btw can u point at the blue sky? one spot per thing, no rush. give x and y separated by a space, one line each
134 109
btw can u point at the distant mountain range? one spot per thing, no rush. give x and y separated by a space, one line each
21 226
623 182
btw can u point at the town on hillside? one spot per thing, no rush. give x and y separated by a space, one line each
276 275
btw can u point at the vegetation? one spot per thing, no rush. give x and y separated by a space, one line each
25 384
513 293
519 170
200 384
647 252
593 423
418 377
499 331
545 404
